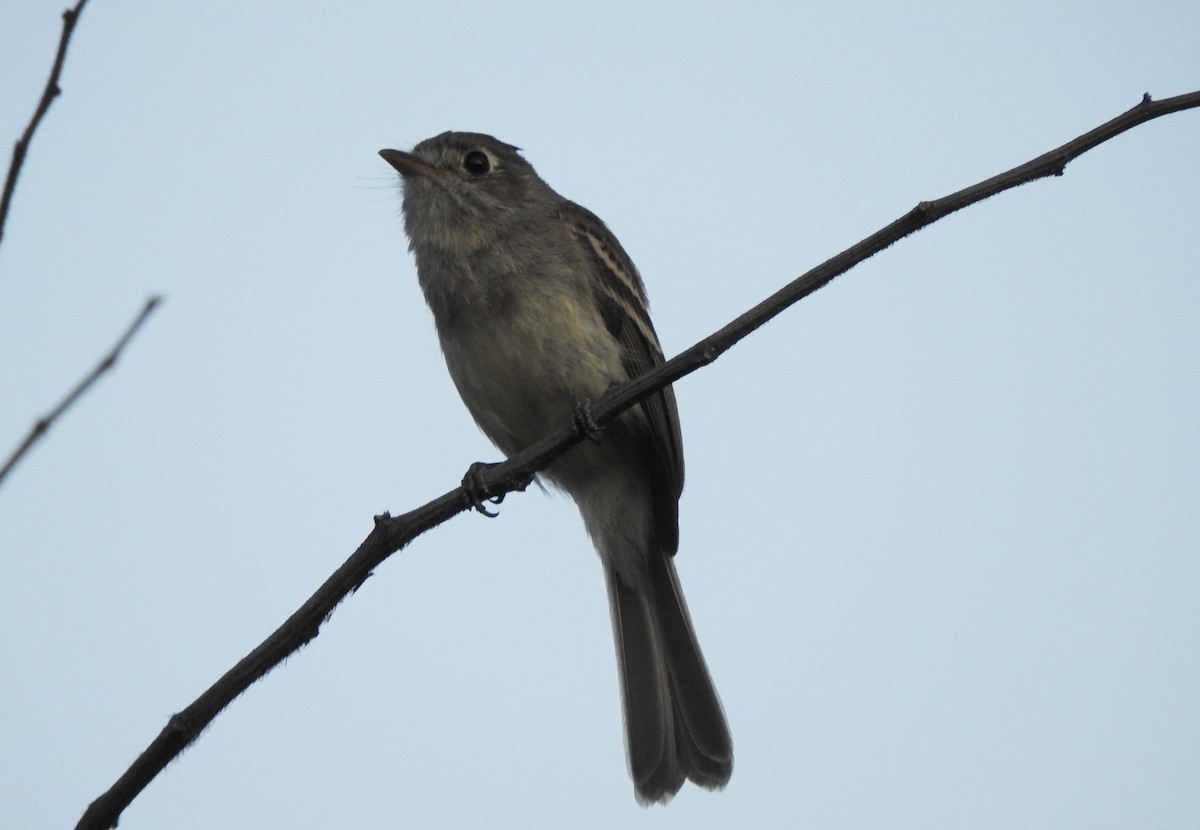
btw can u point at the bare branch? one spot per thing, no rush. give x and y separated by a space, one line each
391 534
20 149
107 362
52 90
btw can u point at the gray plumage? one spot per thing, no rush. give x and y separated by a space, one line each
536 307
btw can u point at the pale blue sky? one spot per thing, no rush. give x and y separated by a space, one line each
940 534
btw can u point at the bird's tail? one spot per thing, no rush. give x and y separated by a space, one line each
674 725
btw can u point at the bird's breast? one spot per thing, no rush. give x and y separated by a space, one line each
521 364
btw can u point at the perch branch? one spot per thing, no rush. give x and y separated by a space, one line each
393 533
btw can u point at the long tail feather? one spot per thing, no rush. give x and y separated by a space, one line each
675 727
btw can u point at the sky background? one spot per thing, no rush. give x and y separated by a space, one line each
941 528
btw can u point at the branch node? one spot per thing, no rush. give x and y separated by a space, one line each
181 726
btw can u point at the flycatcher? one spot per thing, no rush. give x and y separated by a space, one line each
537 307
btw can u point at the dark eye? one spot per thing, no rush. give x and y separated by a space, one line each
477 163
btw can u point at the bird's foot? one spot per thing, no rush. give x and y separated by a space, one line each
585 425
476 491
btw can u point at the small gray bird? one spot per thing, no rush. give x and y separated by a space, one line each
538 307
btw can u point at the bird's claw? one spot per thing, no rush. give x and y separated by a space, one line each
585 425
473 484
475 490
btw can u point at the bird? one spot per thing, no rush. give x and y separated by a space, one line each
538 308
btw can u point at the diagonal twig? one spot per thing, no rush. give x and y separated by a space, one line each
52 90
107 362
393 533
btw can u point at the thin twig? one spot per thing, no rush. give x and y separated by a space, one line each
52 90
391 534
109 360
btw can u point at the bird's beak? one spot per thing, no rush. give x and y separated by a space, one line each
410 165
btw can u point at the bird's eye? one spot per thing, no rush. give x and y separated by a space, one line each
477 163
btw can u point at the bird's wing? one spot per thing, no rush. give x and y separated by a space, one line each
621 297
